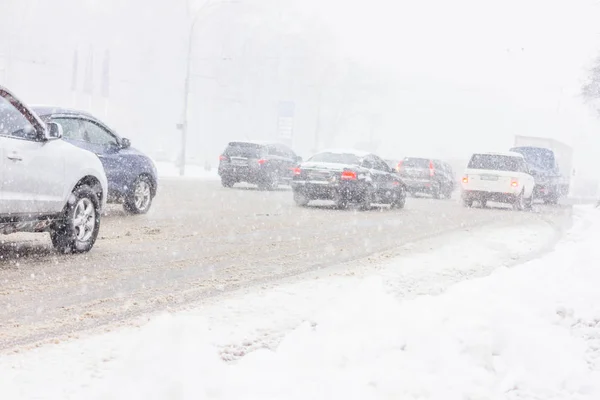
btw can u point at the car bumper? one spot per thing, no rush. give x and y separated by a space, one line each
242 174
478 195
418 185
322 190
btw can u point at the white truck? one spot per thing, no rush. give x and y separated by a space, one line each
551 164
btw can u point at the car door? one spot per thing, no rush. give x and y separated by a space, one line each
106 145
33 170
385 178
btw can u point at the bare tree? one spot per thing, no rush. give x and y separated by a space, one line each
591 89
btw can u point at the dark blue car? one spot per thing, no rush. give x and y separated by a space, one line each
132 178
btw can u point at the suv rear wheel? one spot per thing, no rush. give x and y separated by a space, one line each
140 198
78 229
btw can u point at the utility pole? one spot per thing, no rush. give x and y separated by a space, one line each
186 91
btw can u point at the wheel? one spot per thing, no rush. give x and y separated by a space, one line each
140 198
448 194
300 199
529 202
483 203
271 182
366 201
468 203
551 199
519 204
400 199
341 201
227 182
437 191
78 229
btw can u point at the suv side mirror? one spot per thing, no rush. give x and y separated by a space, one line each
54 131
125 143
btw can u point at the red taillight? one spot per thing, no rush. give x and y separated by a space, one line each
261 161
514 183
297 171
223 158
349 176
465 179
399 166
431 169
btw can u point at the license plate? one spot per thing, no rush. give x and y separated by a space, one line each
238 162
489 177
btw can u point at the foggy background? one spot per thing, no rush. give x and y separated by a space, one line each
428 78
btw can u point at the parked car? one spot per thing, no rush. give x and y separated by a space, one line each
264 164
132 176
47 184
348 176
500 177
429 176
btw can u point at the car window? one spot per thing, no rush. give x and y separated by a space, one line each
13 123
72 129
416 163
368 162
496 162
248 150
95 134
336 158
380 165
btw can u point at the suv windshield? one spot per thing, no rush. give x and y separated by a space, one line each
248 150
495 162
336 158
416 163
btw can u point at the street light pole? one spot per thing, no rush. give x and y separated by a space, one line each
186 89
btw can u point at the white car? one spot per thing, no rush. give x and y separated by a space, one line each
47 184
499 177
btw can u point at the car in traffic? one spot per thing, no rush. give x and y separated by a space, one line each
543 166
47 184
266 164
498 177
132 176
348 176
427 176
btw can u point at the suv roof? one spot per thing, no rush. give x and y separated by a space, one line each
43 110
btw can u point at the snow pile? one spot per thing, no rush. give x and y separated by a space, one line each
169 170
531 332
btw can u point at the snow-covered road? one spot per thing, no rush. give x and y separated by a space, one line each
410 326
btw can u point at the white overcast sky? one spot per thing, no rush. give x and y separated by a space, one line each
477 71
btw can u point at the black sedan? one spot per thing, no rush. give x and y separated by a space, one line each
348 176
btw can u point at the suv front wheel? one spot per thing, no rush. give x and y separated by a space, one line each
78 229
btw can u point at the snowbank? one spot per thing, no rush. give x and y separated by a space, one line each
531 332
169 170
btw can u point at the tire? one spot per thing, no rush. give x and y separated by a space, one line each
529 202
227 182
301 199
341 201
366 201
400 200
483 203
78 229
437 191
467 203
551 199
448 194
519 204
140 198
271 182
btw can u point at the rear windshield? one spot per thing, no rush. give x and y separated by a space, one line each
540 157
248 150
416 162
496 162
336 158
